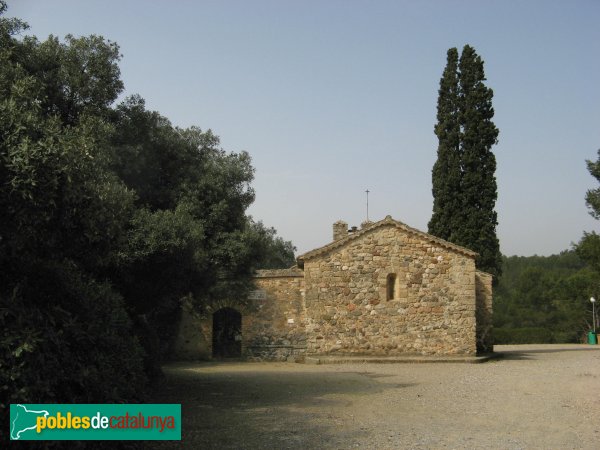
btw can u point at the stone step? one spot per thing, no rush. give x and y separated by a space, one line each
326 359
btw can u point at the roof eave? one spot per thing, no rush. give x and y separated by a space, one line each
388 221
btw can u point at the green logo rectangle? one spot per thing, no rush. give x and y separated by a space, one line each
83 421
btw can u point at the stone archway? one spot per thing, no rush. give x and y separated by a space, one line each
227 333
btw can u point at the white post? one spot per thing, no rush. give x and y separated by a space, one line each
593 300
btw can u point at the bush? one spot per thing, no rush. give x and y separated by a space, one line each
528 335
535 335
79 348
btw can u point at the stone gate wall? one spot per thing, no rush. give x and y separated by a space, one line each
275 330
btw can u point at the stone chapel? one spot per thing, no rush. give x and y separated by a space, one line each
385 289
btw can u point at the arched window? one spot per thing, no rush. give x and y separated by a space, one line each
391 286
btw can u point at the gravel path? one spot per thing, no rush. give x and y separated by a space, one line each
537 396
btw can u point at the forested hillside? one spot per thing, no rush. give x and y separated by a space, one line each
544 299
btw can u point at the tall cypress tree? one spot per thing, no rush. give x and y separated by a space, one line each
464 182
446 174
478 188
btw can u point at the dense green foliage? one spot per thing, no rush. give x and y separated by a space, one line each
111 216
277 253
544 299
464 182
66 334
547 299
588 247
592 196
447 172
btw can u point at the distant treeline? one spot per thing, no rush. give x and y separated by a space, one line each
544 299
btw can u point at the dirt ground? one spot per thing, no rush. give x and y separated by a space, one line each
536 396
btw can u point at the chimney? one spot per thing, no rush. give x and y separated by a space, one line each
340 230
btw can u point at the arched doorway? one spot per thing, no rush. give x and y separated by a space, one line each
227 333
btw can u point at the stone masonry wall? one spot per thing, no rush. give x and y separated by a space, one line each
433 306
272 321
194 337
483 288
275 331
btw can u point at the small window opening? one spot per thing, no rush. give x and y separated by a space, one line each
391 286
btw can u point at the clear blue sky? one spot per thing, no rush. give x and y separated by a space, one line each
333 97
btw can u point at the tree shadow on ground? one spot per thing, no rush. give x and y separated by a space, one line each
529 354
233 407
